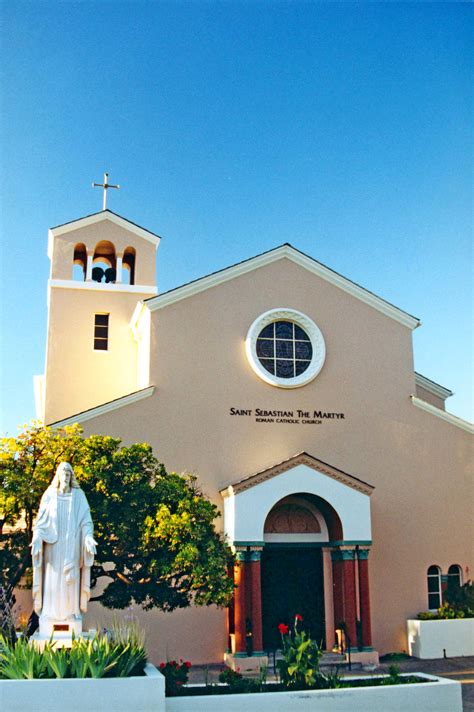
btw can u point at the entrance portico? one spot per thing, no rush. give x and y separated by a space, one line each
300 504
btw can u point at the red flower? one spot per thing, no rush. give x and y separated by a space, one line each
187 664
283 628
298 617
162 665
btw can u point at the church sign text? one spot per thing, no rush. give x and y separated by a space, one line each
290 417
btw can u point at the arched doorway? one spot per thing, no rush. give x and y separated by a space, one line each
319 518
292 567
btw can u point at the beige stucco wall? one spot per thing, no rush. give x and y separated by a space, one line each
77 377
418 463
429 397
90 236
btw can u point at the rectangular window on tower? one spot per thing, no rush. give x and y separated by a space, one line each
101 332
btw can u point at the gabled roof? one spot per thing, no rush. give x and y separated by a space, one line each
95 218
285 251
303 458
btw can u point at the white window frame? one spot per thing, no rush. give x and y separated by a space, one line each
458 575
439 592
304 322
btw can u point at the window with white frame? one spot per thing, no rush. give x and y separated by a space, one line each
285 348
434 587
454 576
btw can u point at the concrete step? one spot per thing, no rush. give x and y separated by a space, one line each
327 660
332 659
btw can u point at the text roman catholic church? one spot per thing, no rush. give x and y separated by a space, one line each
290 391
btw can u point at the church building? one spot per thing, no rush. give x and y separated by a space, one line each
289 390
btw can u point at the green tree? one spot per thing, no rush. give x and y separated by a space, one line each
157 543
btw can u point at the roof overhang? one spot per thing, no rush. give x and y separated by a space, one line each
98 410
284 252
303 458
96 218
432 387
443 414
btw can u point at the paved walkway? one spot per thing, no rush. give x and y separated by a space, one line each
461 669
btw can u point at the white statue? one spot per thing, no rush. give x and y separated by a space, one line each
62 549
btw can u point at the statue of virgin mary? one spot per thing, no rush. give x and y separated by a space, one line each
63 550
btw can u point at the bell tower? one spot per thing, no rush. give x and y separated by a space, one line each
102 265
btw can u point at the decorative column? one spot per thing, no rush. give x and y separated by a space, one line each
230 614
364 597
345 603
328 598
90 258
256 600
350 604
338 587
240 608
118 270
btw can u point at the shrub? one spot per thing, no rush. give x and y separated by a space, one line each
176 675
458 603
461 599
229 676
237 683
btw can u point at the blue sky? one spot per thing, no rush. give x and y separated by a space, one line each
232 127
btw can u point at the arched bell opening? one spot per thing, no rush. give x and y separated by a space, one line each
79 263
128 265
104 263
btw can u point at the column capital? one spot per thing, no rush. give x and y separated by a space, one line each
363 554
343 554
247 550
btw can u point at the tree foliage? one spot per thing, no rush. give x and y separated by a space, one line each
157 543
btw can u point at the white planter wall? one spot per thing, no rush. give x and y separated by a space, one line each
147 694
439 695
119 694
429 639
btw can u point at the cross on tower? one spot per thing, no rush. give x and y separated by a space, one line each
105 185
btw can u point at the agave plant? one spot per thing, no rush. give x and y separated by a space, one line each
21 661
98 655
58 661
130 661
95 657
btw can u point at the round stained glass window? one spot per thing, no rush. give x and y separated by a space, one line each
285 348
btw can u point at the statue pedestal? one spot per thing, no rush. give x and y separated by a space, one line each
60 632
60 629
